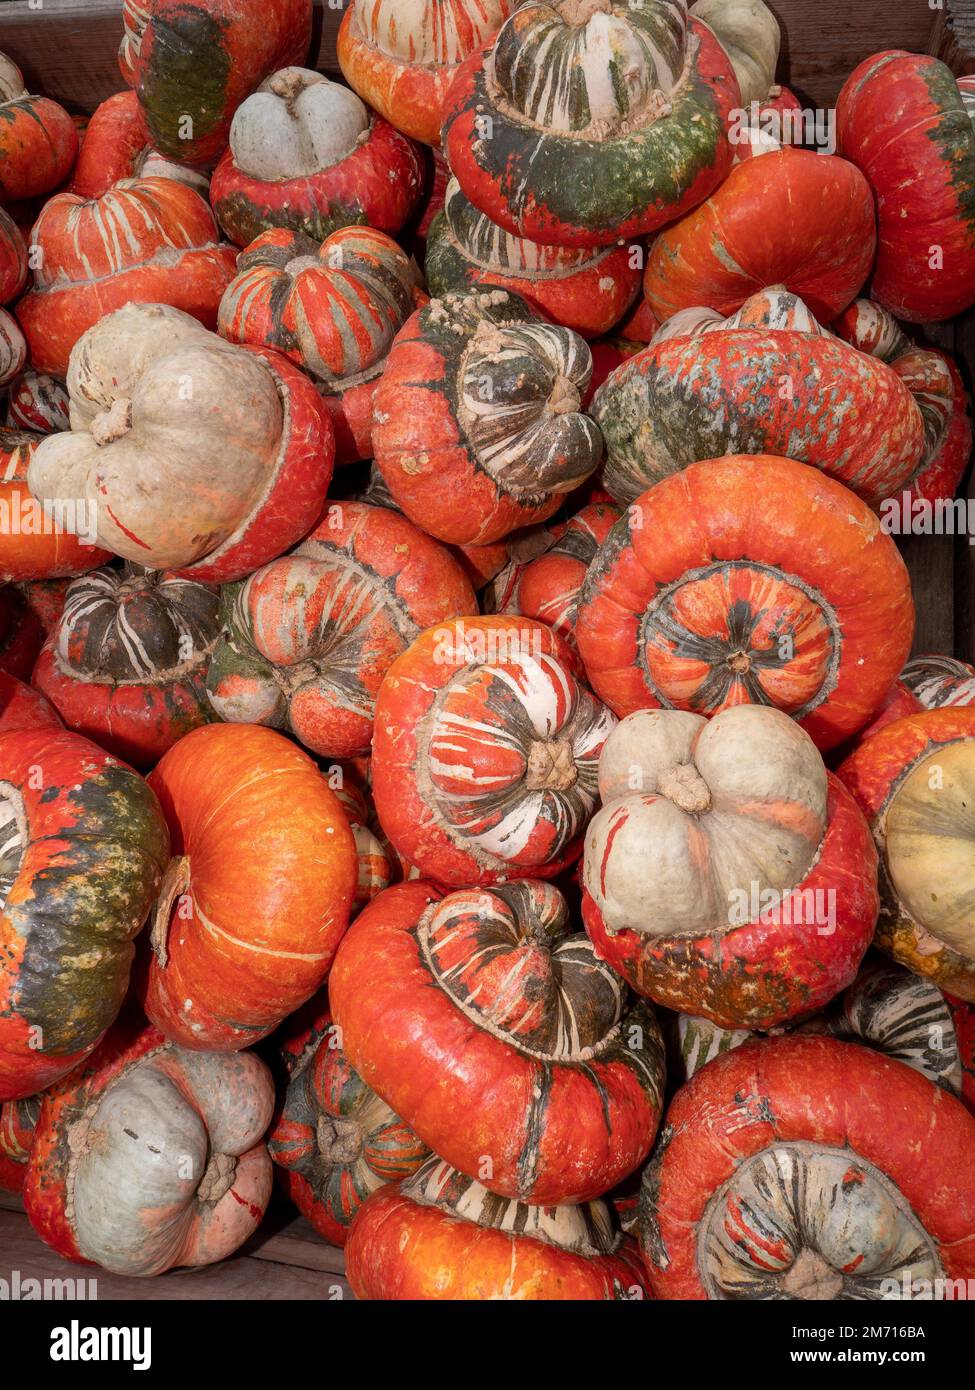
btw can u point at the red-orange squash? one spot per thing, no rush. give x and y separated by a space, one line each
85 845
149 1156
494 1031
258 893
334 1140
23 707
117 146
901 118
727 874
441 1236
306 154
585 290
307 640
22 633
32 544
940 680
791 218
333 309
401 55
913 780
485 751
478 427
769 380
748 579
127 660
378 866
192 454
146 241
547 586
806 1168
587 122
37 402
38 144
192 62
13 259
935 383
13 348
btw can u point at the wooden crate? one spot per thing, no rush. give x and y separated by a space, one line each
67 49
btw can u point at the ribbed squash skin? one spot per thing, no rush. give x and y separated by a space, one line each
562 1120
621 187
874 772
748 579
790 217
822 1095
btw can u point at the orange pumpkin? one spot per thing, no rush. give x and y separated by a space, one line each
258 894
173 1169
32 545
38 144
13 259
791 218
806 1168
401 56
333 309
748 579
441 1236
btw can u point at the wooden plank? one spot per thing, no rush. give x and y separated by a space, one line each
238 1278
953 37
931 559
285 1238
823 42
67 50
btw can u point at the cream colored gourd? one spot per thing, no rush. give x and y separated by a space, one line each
697 813
11 80
174 436
930 845
295 125
749 33
170 1138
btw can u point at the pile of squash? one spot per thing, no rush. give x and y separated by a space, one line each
459 758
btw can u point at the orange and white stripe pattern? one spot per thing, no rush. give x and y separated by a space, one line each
137 222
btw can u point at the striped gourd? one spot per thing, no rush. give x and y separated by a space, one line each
126 663
478 425
144 241
337 1141
333 309
495 771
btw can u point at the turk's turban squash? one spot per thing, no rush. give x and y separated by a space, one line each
727 874
632 98
84 849
913 780
902 118
499 1036
194 454
806 1168
308 155
748 579
149 1156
